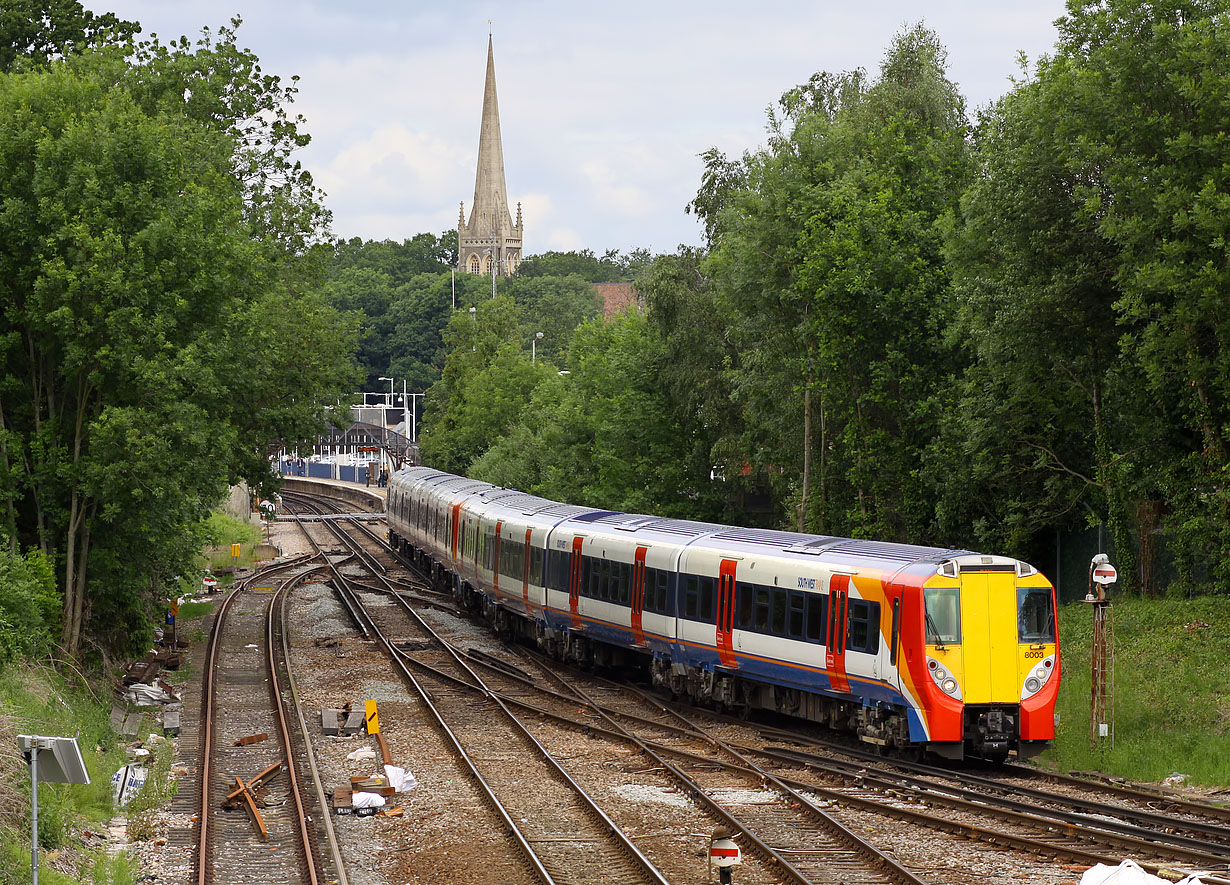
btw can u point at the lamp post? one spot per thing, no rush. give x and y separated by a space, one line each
414 416
534 347
384 424
474 319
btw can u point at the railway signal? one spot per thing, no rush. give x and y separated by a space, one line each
1102 701
723 854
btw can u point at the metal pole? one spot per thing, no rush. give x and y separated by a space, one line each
405 415
34 810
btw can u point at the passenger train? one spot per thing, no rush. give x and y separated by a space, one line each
910 647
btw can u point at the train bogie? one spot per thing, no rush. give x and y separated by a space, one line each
904 645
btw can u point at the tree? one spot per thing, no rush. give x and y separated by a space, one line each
827 253
153 296
486 385
603 435
37 31
554 306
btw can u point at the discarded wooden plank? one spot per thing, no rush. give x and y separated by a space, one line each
254 786
250 801
384 748
250 739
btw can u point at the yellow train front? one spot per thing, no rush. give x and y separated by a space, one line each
983 657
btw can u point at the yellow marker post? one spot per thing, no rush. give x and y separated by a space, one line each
235 550
373 720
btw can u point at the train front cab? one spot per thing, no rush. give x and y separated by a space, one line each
992 658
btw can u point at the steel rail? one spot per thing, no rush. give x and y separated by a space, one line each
485 789
613 829
871 855
334 847
208 690
284 731
1166 824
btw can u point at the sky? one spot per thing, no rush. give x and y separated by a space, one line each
604 108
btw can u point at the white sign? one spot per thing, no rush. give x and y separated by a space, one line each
724 853
1105 574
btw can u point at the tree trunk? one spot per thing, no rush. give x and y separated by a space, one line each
806 453
10 515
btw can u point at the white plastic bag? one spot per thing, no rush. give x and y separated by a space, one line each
366 800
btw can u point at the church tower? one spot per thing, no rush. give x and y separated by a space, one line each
490 235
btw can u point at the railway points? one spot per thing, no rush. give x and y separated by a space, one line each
592 725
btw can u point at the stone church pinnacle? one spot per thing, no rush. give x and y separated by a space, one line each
490 235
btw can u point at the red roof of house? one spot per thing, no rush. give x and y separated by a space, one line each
616 298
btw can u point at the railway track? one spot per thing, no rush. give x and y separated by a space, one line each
796 840
253 751
562 833
994 808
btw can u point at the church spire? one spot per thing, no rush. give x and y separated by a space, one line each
490 234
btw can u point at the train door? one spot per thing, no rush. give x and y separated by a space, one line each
726 613
989 637
896 597
835 636
638 595
525 572
574 581
456 530
495 567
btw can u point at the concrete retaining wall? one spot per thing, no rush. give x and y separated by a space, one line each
370 501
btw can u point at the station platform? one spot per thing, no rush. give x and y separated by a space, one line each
369 497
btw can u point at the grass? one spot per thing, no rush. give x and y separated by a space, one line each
1171 691
36 699
225 531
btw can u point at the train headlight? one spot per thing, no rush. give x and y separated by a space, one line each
945 681
1038 677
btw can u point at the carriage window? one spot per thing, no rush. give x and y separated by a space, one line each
943 605
691 596
863 627
604 580
536 566
706 598
663 592
797 604
778 623
1035 616
745 602
817 614
762 609
625 584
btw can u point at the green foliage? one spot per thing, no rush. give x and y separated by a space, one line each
1171 715
602 435
37 31
827 263
29 606
155 249
554 306
486 384
58 704
222 530
612 267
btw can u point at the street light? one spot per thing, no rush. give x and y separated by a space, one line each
534 347
474 319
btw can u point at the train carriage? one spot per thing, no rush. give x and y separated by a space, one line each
907 646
